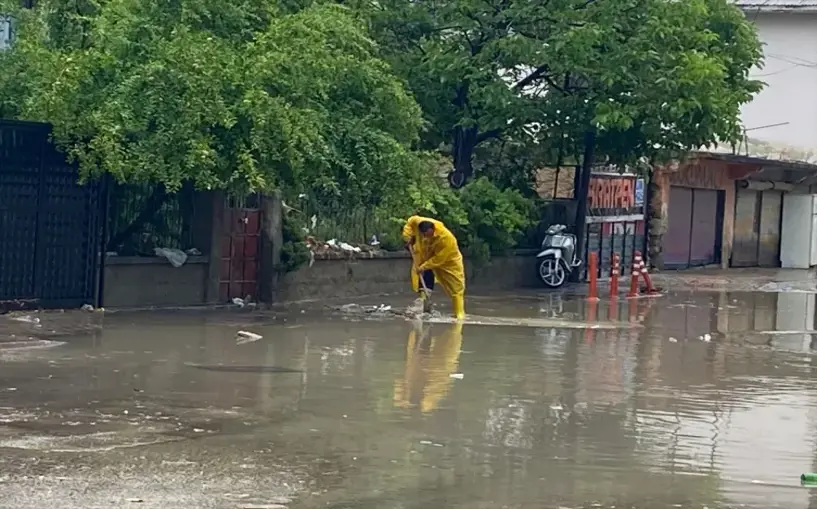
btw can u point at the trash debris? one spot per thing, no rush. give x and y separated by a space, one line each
243 337
336 246
373 241
238 301
673 340
26 319
176 257
134 500
705 338
456 376
87 307
193 252
357 308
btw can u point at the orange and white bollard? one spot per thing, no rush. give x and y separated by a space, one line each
593 276
647 279
615 270
634 276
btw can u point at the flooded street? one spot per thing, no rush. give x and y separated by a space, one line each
694 401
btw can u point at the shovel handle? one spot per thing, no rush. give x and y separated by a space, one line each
419 275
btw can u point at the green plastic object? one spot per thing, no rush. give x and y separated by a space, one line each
808 478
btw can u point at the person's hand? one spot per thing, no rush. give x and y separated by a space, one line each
410 244
418 270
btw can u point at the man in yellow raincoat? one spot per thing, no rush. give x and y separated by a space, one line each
434 249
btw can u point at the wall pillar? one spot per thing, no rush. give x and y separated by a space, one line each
272 238
216 236
657 215
728 232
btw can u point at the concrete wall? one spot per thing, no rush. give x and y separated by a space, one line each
790 48
340 278
135 282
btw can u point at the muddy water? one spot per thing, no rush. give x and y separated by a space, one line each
709 401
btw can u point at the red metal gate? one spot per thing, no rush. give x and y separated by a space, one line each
693 232
705 228
240 249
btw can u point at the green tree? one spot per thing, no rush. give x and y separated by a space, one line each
237 94
652 77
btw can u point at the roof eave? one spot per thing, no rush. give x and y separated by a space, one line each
752 9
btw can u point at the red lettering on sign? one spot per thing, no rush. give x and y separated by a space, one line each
611 193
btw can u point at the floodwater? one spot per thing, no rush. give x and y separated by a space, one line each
691 400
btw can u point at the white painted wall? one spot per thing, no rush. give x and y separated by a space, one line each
790 72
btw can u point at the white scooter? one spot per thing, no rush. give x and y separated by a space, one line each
558 259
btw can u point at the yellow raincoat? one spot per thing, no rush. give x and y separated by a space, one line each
427 378
441 255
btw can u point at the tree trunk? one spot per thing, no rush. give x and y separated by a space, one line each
152 206
581 195
465 141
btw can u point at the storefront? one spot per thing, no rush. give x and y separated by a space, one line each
695 227
692 213
758 215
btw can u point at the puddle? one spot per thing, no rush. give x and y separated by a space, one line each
533 401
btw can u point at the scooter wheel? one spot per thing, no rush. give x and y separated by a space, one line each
551 272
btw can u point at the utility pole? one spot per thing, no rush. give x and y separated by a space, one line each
581 193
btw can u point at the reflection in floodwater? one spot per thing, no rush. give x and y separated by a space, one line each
705 404
431 359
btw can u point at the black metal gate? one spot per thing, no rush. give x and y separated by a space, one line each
50 225
610 237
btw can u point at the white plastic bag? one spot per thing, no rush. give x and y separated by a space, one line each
176 257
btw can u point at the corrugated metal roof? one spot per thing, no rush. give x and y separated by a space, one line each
777 5
768 151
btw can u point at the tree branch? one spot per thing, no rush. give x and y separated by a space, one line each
562 89
487 135
530 78
151 208
541 72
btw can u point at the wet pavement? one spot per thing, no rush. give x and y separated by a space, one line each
697 399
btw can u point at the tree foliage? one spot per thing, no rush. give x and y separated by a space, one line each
237 94
302 94
653 77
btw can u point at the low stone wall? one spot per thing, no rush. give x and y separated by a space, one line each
140 282
333 277
136 282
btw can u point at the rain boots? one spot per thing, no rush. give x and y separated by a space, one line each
458 305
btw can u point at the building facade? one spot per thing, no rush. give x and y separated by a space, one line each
733 206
